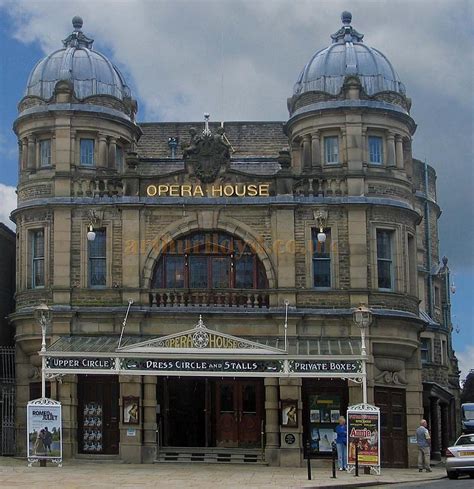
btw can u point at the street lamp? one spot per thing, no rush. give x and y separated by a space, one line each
363 318
43 315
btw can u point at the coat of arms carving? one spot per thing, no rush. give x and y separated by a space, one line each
207 153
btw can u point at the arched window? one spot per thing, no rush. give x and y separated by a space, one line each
210 260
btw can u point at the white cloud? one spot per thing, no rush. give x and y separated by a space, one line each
8 203
466 360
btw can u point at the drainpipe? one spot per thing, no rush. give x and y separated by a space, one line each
428 244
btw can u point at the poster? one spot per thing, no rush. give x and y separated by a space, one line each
44 430
92 431
363 430
324 412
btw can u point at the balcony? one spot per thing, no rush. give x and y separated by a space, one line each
227 298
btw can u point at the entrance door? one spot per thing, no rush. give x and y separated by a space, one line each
98 414
238 413
393 424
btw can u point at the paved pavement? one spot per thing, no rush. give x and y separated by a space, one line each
14 473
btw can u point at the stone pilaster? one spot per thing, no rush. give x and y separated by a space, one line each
149 419
272 428
31 158
292 456
307 152
102 159
112 151
316 150
131 436
391 149
399 151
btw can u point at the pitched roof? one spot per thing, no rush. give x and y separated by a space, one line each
264 139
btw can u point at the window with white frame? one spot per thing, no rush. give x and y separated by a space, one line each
425 350
37 258
375 150
321 260
86 152
98 259
45 152
384 259
331 150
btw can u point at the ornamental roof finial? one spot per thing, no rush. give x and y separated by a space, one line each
77 38
347 33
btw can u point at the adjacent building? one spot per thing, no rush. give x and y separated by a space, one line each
202 277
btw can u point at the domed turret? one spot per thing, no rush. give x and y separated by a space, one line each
348 57
89 72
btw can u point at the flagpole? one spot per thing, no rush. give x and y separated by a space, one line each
124 323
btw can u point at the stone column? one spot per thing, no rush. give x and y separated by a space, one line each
307 152
102 160
73 149
444 428
24 374
62 255
66 394
434 429
292 455
112 151
399 151
316 150
391 149
31 162
365 152
149 419
131 441
24 154
272 428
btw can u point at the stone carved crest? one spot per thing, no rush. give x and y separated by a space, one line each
207 153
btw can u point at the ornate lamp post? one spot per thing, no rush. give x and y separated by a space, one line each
362 316
43 315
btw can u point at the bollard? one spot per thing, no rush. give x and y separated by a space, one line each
308 459
334 453
357 460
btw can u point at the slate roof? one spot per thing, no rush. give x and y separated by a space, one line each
249 139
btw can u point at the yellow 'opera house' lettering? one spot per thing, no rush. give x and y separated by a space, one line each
228 190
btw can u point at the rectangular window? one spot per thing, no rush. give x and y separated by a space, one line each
375 150
98 259
119 158
87 152
244 268
425 350
45 152
444 353
331 150
384 259
37 258
198 272
321 259
174 272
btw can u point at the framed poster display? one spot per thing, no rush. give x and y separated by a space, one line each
130 410
289 413
363 432
92 423
324 411
44 431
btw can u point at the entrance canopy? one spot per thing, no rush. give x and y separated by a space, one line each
204 352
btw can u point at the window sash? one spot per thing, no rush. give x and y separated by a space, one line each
45 152
119 158
384 260
37 259
87 152
375 150
331 149
425 350
321 260
98 259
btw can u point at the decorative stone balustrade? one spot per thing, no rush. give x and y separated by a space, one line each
321 187
234 298
98 187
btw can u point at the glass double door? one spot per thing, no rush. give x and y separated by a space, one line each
238 413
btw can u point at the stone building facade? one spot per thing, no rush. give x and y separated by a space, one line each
237 254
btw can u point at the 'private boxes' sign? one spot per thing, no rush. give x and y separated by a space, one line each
216 190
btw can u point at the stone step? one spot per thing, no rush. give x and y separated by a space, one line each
211 455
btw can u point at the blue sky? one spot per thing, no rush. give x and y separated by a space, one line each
240 61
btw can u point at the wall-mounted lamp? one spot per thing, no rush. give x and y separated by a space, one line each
90 233
321 217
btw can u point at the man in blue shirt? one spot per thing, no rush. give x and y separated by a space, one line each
423 440
341 443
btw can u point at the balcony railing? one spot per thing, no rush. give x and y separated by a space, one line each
232 298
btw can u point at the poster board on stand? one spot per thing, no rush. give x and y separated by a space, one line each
44 431
363 431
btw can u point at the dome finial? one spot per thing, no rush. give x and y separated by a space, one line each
77 22
77 39
347 33
346 17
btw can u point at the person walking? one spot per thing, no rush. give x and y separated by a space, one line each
423 440
341 443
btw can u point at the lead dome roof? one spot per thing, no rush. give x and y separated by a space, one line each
328 68
89 71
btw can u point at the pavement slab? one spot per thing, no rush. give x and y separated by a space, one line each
14 473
